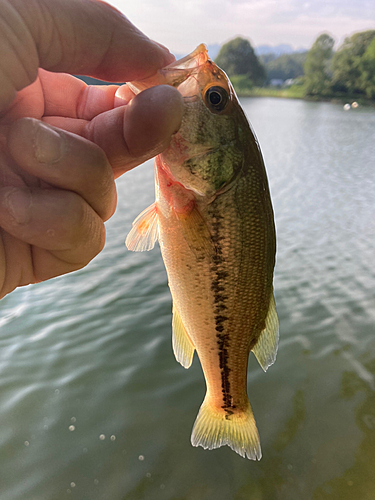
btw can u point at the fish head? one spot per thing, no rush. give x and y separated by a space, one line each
208 150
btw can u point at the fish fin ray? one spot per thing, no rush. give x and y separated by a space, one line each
196 232
183 347
145 230
266 348
213 428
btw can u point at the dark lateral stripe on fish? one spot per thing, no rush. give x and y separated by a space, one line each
217 286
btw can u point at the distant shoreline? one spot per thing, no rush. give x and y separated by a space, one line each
295 92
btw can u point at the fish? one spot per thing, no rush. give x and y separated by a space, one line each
214 221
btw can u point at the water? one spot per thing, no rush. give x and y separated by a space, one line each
94 406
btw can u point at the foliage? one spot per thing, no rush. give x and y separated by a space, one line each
318 66
347 74
367 79
353 65
285 66
242 84
237 57
293 92
267 58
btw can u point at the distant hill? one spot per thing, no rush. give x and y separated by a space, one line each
277 50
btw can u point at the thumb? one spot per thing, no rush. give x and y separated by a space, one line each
75 36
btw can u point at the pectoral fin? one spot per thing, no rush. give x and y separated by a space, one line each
266 348
145 231
182 346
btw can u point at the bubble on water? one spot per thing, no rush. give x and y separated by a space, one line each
57 391
73 419
162 486
148 474
72 428
68 491
96 481
102 437
141 458
26 443
113 437
290 466
73 484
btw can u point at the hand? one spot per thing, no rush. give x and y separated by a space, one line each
62 142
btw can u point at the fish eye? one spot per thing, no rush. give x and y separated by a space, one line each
216 98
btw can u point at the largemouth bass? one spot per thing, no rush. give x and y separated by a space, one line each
214 222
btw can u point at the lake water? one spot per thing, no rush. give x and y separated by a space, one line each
93 404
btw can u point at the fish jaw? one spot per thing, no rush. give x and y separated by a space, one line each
175 73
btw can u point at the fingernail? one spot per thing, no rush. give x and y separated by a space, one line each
18 203
123 96
48 144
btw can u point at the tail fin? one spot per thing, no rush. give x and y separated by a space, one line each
214 428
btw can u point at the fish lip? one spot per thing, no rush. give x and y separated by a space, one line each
175 73
199 55
190 98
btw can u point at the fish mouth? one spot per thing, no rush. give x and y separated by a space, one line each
175 73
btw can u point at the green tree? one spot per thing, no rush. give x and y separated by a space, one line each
351 61
367 79
286 66
317 66
237 57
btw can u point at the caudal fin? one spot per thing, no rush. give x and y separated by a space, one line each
215 427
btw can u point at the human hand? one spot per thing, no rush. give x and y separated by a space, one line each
62 143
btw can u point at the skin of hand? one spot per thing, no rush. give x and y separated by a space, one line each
62 143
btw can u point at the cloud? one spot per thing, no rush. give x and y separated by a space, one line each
183 25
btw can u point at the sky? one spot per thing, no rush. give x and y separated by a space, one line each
181 25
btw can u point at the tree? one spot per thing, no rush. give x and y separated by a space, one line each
367 66
351 60
237 57
317 66
286 66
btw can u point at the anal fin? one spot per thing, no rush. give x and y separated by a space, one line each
266 348
145 230
183 348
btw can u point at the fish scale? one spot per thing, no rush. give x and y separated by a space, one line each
213 218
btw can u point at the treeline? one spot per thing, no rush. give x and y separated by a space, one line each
319 72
